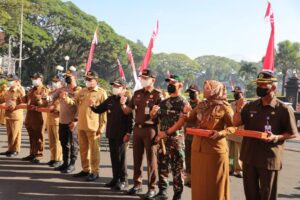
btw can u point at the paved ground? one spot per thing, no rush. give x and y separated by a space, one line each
23 180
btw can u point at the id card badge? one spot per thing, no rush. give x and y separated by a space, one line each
147 110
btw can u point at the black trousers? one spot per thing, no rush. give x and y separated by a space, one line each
118 159
69 143
259 184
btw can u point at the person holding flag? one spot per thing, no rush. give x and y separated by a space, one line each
144 132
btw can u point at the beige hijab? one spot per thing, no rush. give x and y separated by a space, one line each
218 96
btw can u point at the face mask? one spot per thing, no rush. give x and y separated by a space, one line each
55 85
68 80
145 83
10 83
237 96
88 84
35 83
171 88
261 92
116 91
192 95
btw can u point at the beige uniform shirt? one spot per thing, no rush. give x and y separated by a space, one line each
87 119
13 97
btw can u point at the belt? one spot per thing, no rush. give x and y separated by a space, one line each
145 125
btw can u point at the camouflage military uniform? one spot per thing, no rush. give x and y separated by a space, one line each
170 111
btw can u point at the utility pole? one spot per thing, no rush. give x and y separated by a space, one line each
9 51
21 41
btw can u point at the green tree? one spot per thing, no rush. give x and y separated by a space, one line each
287 57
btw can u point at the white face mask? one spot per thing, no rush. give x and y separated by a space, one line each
10 83
55 85
88 84
145 83
116 91
35 82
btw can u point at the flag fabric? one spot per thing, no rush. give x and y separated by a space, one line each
269 58
122 75
148 54
91 54
136 80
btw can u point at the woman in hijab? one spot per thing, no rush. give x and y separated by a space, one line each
210 163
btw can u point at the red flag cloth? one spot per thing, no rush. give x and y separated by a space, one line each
269 58
136 80
148 54
122 75
91 54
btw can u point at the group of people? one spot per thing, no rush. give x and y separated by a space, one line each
76 118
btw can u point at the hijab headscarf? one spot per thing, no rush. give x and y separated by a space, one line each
217 96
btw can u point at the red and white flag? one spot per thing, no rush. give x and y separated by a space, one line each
91 54
136 80
148 54
269 58
122 75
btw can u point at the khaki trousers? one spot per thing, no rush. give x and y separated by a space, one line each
54 143
89 146
14 132
234 153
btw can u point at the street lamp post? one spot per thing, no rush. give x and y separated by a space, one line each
67 58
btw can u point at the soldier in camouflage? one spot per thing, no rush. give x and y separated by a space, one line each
171 139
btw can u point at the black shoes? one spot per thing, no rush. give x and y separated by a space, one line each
35 160
150 194
28 158
12 154
92 177
177 196
50 162
68 170
161 195
81 174
4 153
111 184
135 190
61 167
120 186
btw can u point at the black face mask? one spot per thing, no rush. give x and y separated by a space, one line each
261 92
192 95
68 80
171 88
237 96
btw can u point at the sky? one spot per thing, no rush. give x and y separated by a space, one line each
230 28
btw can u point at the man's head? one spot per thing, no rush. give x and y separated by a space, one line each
13 80
37 79
174 84
118 87
56 82
91 79
266 84
69 77
237 92
193 91
147 78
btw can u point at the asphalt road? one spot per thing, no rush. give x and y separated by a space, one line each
26 181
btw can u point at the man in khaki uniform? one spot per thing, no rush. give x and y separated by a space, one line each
13 115
90 126
52 126
235 141
35 98
3 90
